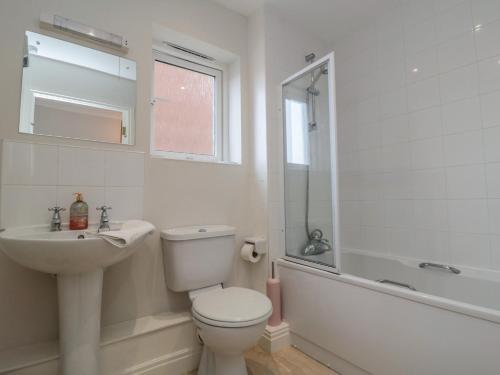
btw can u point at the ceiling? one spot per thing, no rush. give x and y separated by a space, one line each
326 19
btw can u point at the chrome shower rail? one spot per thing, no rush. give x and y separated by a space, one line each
444 267
396 283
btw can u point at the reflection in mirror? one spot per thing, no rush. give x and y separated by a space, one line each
76 92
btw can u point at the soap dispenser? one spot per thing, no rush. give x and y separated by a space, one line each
79 213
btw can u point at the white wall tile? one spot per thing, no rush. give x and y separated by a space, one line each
370 160
414 12
52 174
399 213
427 153
432 245
393 103
462 116
27 205
92 195
457 52
489 75
495 252
124 168
431 214
494 211
490 109
468 249
468 215
487 40
374 239
491 139
485 11
445 5
401 241
124 202
429 184
423 94
420 36
466 182
29 164
493 180
425 124
367 111
431 173
392 77
351 212
372 213
368 136
81 166
395 130
396 157
391 50
459 84
454 21
397 185
422 65
463 148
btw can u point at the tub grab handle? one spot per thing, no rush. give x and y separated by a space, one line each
396 283
444 267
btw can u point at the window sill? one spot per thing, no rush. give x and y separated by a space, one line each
193 159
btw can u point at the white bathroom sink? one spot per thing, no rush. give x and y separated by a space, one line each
62 252
79 260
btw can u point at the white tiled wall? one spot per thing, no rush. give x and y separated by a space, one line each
418 96
35 177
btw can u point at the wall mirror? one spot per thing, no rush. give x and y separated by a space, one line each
73 91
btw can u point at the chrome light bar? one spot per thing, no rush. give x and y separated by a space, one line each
82 30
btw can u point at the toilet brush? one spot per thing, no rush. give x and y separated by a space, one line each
274 294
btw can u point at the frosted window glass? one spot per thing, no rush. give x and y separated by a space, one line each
296 131
184 110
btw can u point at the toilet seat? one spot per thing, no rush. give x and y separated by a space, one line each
231 307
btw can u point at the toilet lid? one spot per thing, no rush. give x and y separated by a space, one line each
232 307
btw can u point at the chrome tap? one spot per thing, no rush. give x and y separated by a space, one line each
55 222
104 222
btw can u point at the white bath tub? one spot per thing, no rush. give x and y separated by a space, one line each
359 326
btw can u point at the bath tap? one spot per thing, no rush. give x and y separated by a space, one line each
55 222
316 244
104 222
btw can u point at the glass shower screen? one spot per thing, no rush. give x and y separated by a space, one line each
310 165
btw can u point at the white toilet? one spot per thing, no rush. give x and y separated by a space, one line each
229 320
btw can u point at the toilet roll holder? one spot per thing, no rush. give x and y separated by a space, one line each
259 245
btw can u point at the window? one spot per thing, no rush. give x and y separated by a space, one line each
187 112
297 150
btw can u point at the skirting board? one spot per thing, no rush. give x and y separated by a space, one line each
154 345
325 357
275 338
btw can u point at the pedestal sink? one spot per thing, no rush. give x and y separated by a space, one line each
78 260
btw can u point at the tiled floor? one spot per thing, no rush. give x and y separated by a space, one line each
288 361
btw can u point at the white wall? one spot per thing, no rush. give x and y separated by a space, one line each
175 193
418 100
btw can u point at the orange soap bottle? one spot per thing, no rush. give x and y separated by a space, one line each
79 214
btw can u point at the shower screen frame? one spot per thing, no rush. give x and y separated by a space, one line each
329 61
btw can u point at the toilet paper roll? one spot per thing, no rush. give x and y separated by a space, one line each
248 253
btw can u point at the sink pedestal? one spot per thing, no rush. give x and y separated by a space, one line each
80 297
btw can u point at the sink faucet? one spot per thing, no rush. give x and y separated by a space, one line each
104 222
55 222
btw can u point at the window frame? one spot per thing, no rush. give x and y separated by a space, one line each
218 126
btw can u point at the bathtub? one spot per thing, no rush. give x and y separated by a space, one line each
449 325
